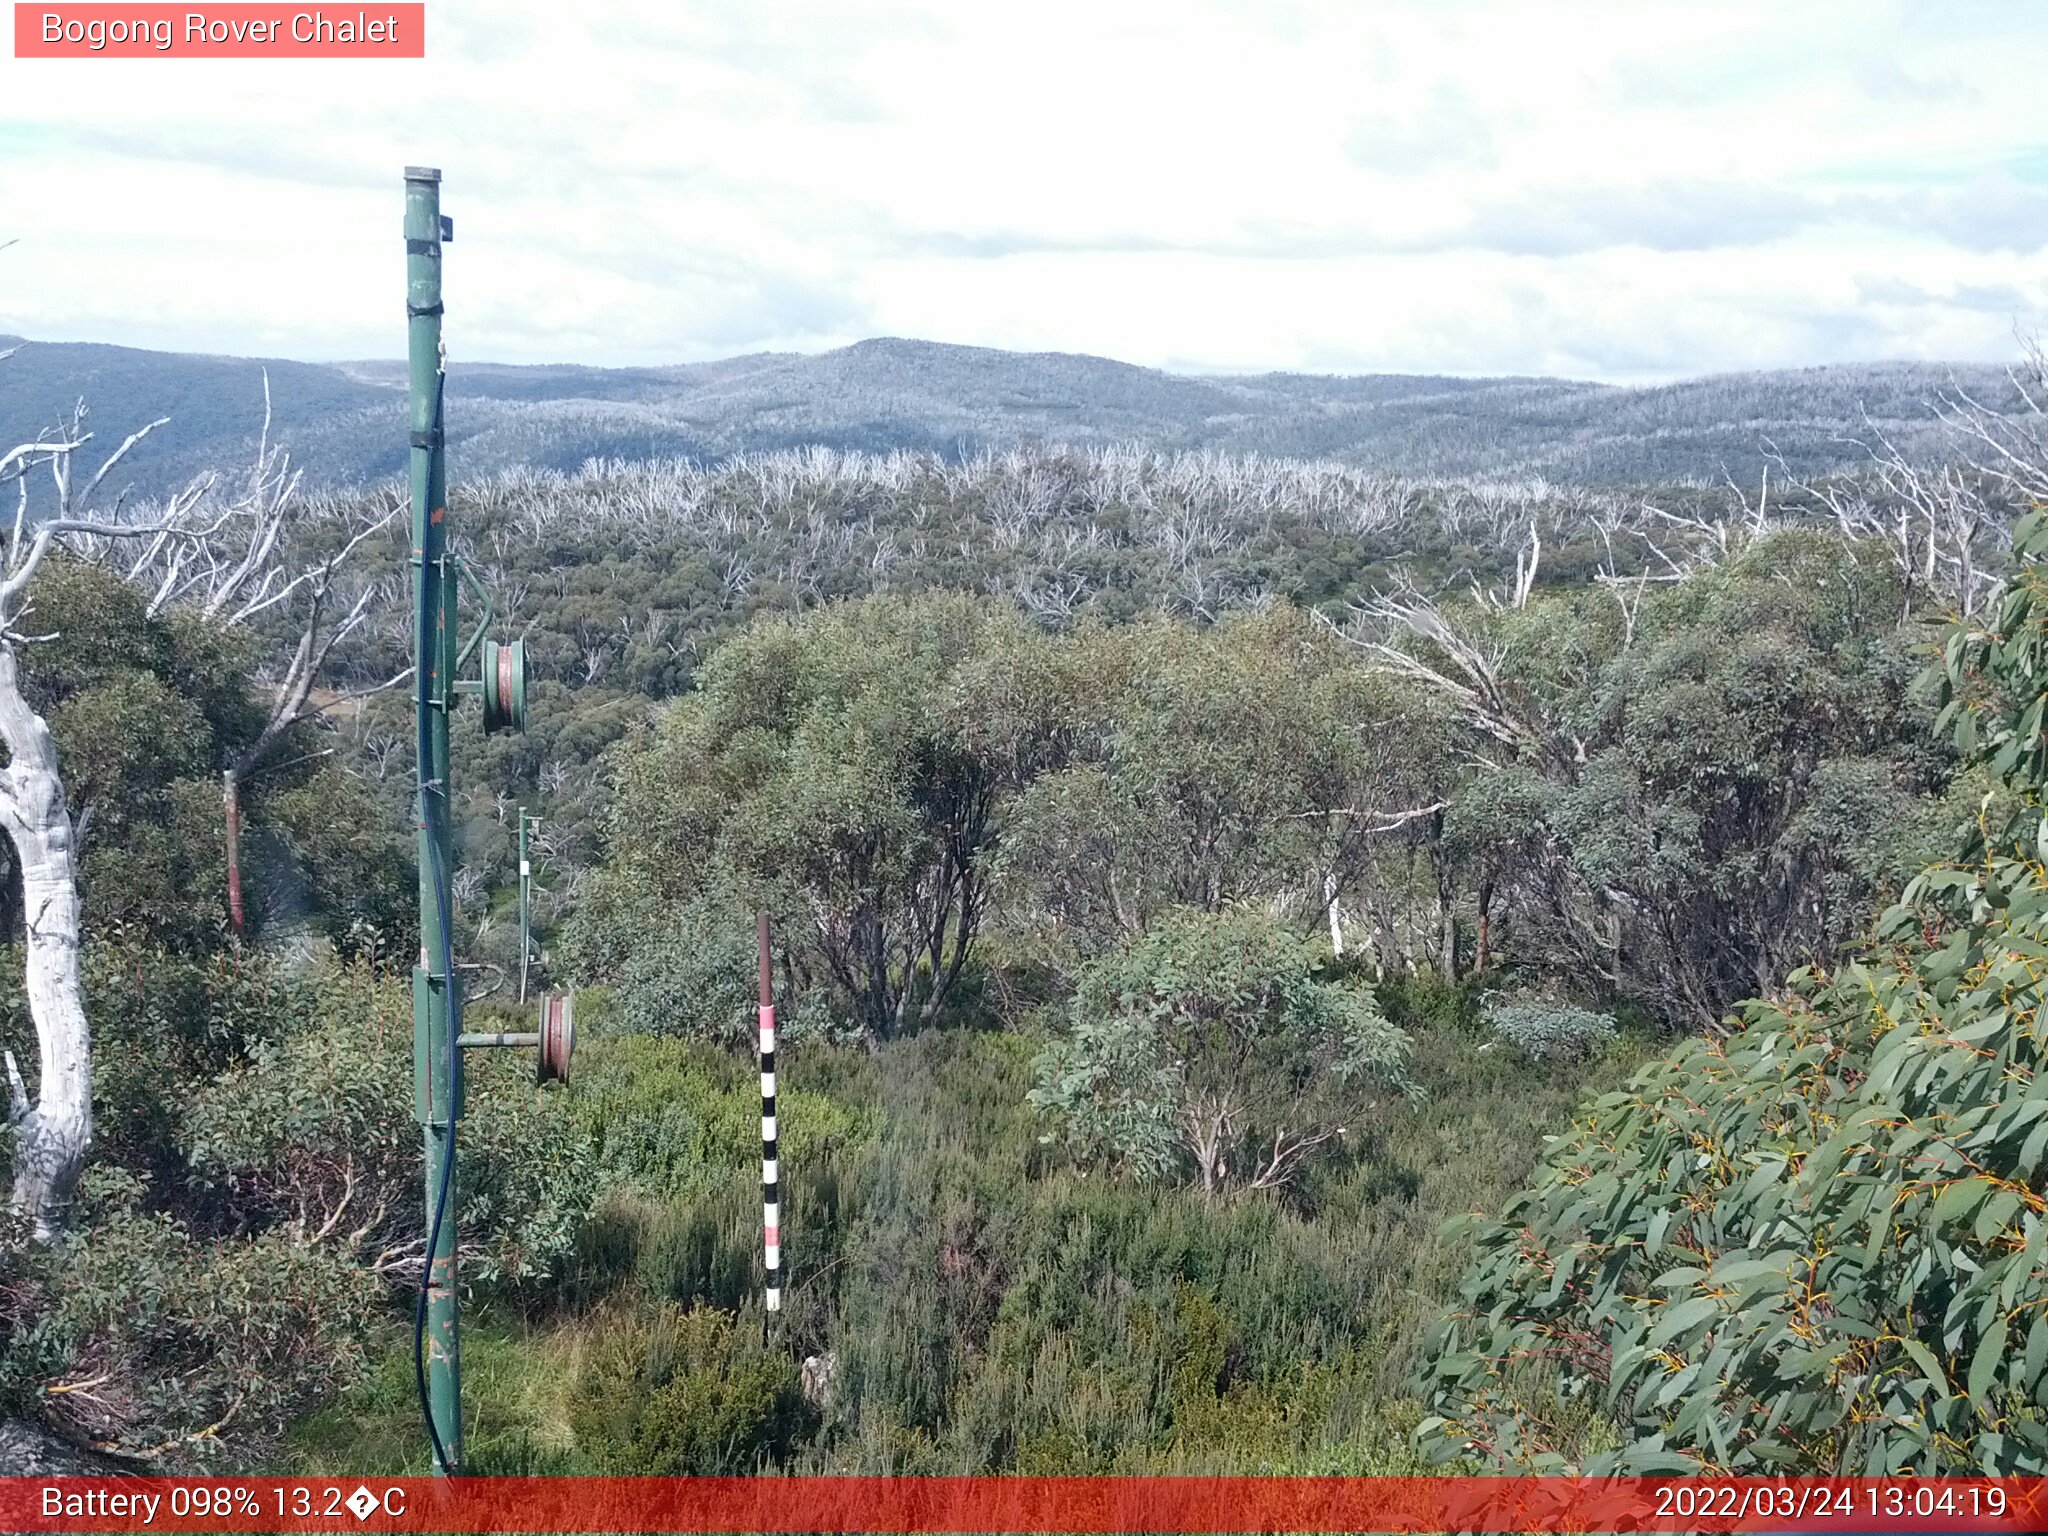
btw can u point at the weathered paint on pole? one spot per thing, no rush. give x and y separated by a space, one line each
437 1004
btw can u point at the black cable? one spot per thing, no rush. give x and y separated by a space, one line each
423 732
419 1321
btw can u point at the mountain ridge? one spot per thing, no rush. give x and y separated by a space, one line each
344 420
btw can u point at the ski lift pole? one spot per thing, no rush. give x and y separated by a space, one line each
438 1040
437 1004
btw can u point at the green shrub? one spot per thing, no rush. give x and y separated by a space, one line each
160 1020
1209 1041
706 1249
1420 1001
315 1132
671 1117
686 1394
133 1332
687 970
255 1195
1544 1031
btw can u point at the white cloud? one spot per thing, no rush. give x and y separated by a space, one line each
1490 186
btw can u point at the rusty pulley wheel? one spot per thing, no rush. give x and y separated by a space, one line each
504 685
557 1036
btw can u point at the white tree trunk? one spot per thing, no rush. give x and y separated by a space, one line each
52 1134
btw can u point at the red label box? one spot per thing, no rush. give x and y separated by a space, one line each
908 1505
235 31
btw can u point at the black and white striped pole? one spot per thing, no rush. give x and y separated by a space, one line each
771 1203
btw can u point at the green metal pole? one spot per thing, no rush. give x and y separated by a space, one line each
437 1004
525 893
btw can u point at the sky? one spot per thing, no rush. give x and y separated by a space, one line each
1629 192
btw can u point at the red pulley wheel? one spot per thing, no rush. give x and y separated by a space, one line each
557 1037
503 685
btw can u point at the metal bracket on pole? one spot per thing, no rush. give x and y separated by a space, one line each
490 612
555 1039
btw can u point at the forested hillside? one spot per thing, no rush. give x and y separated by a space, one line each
344 420
1196 880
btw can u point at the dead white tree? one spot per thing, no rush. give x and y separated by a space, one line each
1528 557
52 1130
235 563
1947 524
1942 530
251 562
1460 662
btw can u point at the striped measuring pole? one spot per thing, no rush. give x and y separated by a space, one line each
771 1212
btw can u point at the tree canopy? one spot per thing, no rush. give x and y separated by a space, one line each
1819 1242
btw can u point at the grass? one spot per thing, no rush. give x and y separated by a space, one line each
515 1376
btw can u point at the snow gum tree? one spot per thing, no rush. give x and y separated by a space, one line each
52 1130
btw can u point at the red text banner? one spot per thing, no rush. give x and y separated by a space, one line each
1848 1506
234 31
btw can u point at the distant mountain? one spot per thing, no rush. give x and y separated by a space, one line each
345 421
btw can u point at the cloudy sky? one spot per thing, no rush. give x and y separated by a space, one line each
1626 191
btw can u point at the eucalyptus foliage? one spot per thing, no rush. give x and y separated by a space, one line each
1209 766
686 970
1537 1029
1209 1040
143 710
1817 1245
